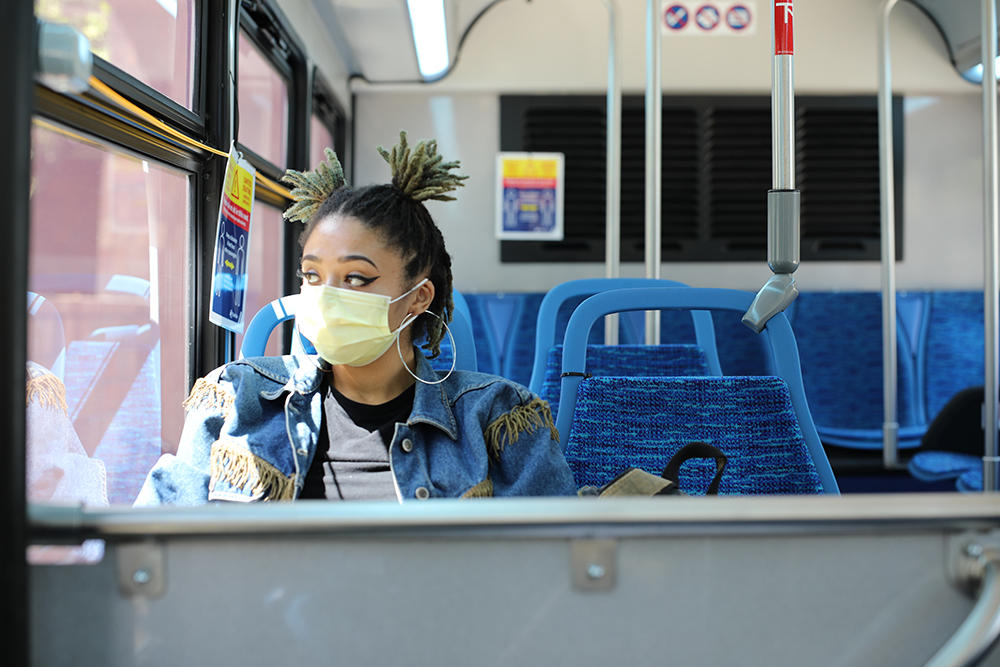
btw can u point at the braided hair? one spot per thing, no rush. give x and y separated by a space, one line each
396 211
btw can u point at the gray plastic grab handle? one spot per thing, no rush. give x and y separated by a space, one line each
776 294
783 238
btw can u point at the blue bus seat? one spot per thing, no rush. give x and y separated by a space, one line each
741 351
840 348
643 421
283 309
518 345
487 348
267 320
971 481
626 360
733 402
554 299
935 466
951 359
954 441
951 354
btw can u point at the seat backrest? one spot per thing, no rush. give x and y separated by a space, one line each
842 374
283 309
519 344
951 354
643 421
626 360
780 345
267 320
487 348
548 312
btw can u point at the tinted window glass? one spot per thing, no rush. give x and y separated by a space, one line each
108 280
266 268
263 104
153 40
319 138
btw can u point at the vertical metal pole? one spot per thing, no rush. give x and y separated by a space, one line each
782 199
890 424
654 120
990 269
782 116
612 190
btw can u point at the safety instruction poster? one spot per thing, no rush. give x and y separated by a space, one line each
529 196
232 243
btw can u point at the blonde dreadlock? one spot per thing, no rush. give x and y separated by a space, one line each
423 175
312 188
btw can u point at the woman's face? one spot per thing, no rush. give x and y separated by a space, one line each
341 252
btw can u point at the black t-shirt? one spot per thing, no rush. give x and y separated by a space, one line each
381 418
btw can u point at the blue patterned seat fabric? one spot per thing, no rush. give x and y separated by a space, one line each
741 351
519 344
444 360
934 466
628 361
641 422
971 481
840 349
952 360
953 351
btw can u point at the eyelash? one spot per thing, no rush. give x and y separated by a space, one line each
363 281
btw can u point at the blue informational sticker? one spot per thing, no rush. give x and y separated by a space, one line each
232 243
529 196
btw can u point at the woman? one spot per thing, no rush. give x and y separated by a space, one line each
368 418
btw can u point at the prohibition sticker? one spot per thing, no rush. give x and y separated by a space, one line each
707 17
676 17
738 17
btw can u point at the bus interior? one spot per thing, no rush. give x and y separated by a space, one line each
753 199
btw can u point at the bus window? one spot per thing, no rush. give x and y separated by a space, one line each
121 32
109 253
320 137
264 279
262 103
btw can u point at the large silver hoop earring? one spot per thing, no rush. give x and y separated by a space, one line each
454 354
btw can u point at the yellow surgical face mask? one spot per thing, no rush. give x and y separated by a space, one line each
348 327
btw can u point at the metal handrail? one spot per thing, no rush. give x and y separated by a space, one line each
612 199
654 148
890 420
991 271
553 516
979 632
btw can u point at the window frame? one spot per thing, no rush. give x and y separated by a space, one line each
191 120
19 53
267 29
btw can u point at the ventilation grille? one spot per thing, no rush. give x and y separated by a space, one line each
716 170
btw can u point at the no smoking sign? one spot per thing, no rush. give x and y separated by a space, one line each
701 18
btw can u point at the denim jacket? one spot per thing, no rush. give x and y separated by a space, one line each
252 427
